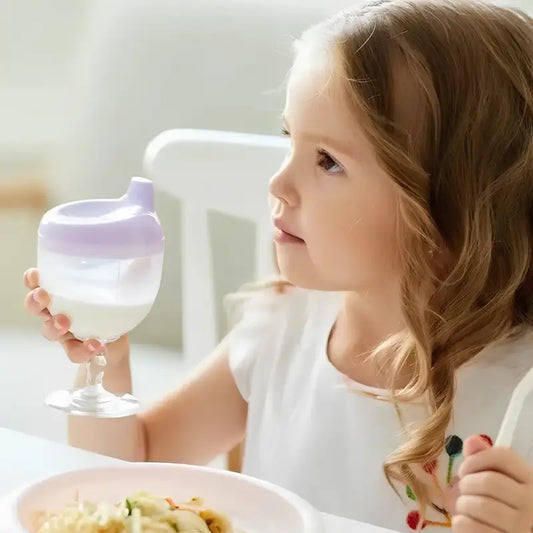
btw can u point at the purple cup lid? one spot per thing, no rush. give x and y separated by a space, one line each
122 228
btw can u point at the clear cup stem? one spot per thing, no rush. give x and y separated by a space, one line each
93 399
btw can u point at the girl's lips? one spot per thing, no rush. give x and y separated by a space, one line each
282 237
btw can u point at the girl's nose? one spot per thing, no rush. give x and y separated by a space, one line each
282 188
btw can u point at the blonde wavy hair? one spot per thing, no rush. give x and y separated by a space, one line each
463 163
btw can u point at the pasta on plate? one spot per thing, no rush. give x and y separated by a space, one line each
139 513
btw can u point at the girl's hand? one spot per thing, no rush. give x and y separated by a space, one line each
55 328
495 491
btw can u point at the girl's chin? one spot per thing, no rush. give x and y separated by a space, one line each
301 275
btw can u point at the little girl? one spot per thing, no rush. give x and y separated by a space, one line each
403 218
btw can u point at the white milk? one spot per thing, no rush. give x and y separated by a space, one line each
103 321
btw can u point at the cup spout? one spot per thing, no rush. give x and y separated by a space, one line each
140 192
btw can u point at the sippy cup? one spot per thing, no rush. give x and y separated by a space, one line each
101 263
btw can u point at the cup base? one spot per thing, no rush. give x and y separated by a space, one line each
93 401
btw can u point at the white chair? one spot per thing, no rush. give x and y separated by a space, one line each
220 171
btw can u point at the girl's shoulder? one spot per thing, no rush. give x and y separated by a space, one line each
269 329
277 303
512 355
498 368
485 387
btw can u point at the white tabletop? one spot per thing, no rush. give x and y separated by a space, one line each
24 458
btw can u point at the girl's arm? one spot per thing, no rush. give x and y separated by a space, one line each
202 419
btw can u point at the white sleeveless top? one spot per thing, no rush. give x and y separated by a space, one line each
311 432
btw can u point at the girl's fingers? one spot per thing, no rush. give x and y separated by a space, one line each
497 459
77 351
465 524
54 328
31 278
488 512
493 485
36 302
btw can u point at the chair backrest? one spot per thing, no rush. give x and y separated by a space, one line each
221 171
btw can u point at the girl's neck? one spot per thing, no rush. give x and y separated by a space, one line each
364 322
373 316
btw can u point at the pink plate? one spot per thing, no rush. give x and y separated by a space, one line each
253 506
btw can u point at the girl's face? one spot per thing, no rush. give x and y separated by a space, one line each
334 207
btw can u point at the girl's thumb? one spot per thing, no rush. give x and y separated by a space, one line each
475 444
471 446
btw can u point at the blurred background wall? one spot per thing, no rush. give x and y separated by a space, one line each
84 86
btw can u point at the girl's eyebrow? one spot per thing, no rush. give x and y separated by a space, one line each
337 145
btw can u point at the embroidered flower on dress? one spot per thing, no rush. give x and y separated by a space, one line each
454 448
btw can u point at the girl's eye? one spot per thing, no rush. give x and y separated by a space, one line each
328 163
324 160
